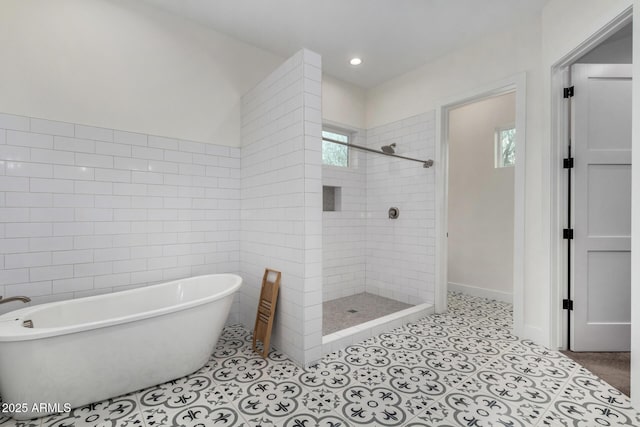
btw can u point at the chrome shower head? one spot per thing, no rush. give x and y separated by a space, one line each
389 149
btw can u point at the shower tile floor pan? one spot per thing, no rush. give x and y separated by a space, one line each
343 313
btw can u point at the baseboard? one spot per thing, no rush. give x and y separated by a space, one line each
481 292
535 334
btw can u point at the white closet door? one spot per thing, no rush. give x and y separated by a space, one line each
601 143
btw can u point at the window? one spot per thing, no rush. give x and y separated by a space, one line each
505 147
335 154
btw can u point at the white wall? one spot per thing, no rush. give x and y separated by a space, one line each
477 66
125 65
281 209
401 252
635 222
481 201
567 23
488 60
131 66
85 211
344 237
342 103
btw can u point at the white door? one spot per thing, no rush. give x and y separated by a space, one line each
601 144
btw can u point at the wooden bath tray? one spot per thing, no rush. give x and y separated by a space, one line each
266 310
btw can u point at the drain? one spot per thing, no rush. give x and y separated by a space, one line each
352 311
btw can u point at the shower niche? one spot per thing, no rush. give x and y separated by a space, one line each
331 198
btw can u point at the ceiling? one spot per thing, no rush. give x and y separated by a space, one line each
391 36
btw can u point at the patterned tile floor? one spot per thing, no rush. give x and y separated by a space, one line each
463 368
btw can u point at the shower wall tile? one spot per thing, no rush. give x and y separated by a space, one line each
95 133
281 224
10 121
87 210
401 252
51 127
344 231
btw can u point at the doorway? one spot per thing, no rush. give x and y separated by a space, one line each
482 146
596 196
594 122
517 85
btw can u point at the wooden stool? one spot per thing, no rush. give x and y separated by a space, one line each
266 311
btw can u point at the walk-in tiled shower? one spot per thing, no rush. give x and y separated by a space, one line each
381 267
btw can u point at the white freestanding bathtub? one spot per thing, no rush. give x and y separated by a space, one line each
90 349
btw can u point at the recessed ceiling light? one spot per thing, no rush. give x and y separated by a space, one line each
355 61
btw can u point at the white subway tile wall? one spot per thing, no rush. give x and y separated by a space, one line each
344 231
281 202
401 252
86 210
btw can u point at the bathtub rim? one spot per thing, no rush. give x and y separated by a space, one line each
11 329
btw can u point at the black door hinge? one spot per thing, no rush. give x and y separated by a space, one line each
567 233
568 92
567 304
567 163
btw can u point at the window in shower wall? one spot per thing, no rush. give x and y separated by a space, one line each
335 154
